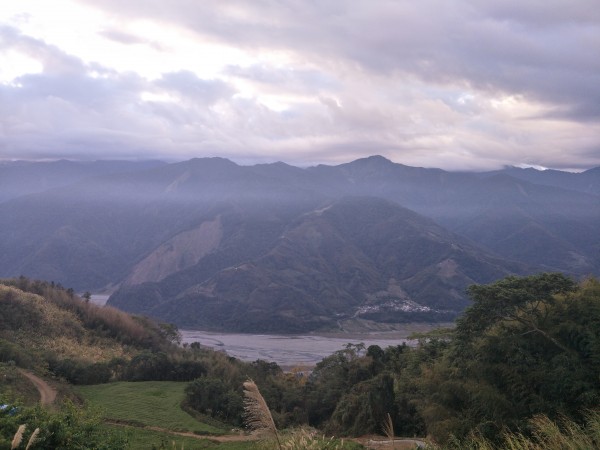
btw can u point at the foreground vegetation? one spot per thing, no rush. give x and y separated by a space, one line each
519 370
526 347
542 434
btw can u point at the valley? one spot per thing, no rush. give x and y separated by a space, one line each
124 381
275 249
293 350
299 225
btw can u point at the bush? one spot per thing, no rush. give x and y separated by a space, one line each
67 428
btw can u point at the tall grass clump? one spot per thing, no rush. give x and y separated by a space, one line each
18 438
388 429
543 434
304 439
257 415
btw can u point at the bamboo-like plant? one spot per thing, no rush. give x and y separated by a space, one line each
256 412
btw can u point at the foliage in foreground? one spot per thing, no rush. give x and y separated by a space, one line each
308 439
527 347
67 428
542 434
258 418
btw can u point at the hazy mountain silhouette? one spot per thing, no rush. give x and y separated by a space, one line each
19 178
207 242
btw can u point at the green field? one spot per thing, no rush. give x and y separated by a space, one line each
145 403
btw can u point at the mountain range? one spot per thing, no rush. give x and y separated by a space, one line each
274 248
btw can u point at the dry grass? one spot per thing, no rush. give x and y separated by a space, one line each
257 414
32 438
304 439
61 331
18 437
388 429
545 435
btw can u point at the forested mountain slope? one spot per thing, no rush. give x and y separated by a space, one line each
194 236
358 257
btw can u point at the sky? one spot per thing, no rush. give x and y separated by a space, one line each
454 84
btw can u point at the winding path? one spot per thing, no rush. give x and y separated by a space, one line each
47 392
210 437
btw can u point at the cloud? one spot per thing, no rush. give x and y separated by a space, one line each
125 38
453 84
187 84
52 58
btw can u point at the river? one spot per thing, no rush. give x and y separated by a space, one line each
287 351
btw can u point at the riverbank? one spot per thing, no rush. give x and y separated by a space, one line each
300 350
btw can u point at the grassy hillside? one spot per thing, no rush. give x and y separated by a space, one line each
42 323
148 403
47 329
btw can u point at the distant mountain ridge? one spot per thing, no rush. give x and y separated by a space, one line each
18 178
587 181
273 247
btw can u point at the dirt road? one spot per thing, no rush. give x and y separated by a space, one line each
222 438
380 443
47 392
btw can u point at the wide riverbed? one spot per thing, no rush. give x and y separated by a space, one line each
290 350
287 351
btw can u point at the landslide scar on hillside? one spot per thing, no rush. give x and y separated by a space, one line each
180 252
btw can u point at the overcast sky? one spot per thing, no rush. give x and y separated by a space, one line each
456 84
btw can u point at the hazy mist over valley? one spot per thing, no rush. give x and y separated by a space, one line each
211 244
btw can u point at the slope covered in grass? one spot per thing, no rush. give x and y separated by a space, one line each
41 323
148 403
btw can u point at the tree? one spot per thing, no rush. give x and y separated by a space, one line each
210 395
365 407
527 346
67 428
524 300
